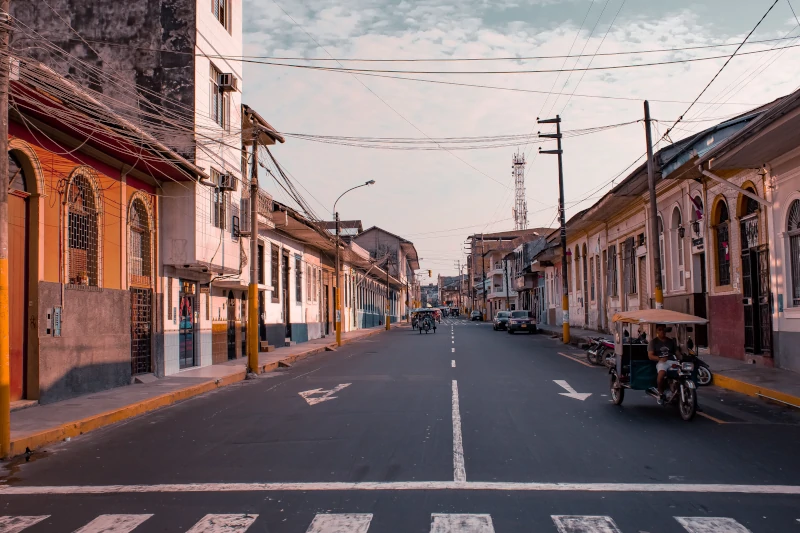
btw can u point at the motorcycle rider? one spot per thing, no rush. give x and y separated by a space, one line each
663 350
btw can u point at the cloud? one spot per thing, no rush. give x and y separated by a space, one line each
424 191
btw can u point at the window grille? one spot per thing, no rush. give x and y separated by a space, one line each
613 277
591 278
298 281
793 228
220 10
83 240
308 284
723 246
317 284
169 298
260 264
275 272
139 244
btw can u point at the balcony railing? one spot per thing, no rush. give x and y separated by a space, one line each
264 204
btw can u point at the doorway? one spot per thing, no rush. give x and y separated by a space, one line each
188 324
245 317
18 293
326 311
286 295
231 326
755 285
141 316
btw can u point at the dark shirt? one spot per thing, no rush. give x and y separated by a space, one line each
665 348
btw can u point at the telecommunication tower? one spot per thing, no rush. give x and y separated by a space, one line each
520 203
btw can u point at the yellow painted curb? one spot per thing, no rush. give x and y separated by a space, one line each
753 390
79 427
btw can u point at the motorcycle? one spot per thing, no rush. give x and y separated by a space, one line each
704 375
599 351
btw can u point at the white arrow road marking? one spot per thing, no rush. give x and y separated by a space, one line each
114 523
223 523
461 523
708 524
325 394
15 524
459 472
570 391
340 523
584 524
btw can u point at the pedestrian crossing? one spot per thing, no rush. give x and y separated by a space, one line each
360 523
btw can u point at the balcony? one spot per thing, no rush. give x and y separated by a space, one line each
264 208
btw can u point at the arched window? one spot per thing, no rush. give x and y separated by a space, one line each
677 249
139 249
723 251
577 267
82 232
793 230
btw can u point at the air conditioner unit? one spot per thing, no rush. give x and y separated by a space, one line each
228 82
227 182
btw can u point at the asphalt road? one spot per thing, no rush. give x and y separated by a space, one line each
464 430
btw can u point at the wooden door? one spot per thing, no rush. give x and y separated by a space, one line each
18 284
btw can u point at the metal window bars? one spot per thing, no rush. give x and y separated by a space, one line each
140 265
82 233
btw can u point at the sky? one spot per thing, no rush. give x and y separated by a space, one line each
437 198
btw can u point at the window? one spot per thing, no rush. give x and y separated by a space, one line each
260 263
721 231
275 272
591 269
139 265
220 9
219 211
613 290
308 283
317 288
82 235
298 279
220 101
629 266
677 249
793 229
662 256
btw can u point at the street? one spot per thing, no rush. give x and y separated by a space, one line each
464 430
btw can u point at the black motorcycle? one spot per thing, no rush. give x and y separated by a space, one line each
702 370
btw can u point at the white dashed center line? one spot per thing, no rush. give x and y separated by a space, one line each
453 363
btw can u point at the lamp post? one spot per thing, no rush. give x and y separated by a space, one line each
338 298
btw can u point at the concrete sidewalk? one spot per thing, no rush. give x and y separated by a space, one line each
44 424
774 384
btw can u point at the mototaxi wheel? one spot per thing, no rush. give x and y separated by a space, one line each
703 376
687 406
617 391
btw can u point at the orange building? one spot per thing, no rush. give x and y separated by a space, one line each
84 195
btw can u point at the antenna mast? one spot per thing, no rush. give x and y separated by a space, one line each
520 204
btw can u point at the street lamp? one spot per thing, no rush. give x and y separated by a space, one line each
338 299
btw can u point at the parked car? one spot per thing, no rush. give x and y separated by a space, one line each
521 321
501 320
475 315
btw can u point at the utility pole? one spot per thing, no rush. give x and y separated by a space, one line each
564 277
336 289
651 181
252 289
5 347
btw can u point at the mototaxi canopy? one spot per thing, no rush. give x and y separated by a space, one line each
657 316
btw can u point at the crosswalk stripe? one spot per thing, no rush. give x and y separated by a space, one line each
461 523
584 524
340 523
709 524
114 523
15 524
223 523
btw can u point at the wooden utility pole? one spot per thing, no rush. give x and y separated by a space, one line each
252 289
564 276
655 249
5 370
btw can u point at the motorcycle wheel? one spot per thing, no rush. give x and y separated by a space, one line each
589 356
688 407
703 376
617 392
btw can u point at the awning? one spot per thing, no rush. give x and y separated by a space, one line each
657 316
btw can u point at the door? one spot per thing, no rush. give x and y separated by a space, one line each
188 325
764 305
585 295
286 296
700 305
141 316
18 284
644 301
326 310
262 327
245 317
231 326
750 309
